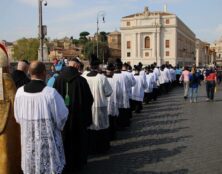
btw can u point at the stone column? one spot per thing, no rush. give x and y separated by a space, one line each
136 44
158 48
139 45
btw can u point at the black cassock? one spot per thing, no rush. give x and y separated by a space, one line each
75 135
20 78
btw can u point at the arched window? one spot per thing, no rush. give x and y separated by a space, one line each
147 42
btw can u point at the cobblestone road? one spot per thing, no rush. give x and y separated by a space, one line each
170 136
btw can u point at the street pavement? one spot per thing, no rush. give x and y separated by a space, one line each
170 136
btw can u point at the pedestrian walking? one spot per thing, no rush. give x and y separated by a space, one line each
194 82
185 79
42 114
211 80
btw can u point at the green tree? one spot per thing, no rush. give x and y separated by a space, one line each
26 49
75 42
103 36
90 48
83 37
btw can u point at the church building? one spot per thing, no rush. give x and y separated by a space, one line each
157 36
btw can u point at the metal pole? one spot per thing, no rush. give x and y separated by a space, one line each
97 32
100 13
40 30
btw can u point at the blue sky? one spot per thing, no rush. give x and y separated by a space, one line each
19 18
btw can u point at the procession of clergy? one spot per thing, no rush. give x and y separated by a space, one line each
52 130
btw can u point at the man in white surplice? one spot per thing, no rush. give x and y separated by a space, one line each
41 113
132 80
124 102
138 89
100 89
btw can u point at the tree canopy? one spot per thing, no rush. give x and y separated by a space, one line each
26 49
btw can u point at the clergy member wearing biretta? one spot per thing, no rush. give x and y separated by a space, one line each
10 158
42 114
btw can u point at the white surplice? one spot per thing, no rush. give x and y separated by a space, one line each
113 107
132 82
85 73
138 89
162 77
42 117
100 89
156 73
150 83
166 75
125 85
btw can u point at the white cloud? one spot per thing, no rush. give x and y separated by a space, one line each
51 3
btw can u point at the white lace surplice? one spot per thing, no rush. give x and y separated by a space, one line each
113 105
41 116
100 89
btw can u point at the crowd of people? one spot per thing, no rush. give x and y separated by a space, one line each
192 80
74 113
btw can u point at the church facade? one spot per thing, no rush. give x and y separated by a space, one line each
160 37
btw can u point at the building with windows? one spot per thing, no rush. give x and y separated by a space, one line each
217 47
159 36
202 53
114 43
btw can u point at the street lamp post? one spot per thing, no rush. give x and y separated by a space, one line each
41 32
156 25
99 14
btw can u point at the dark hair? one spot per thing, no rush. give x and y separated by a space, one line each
118 64
110 67
25 61
37 69
186 68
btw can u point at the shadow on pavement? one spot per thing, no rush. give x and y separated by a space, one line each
130 162
181 171
155 136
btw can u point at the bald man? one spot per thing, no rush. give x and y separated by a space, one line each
20 75
42 114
